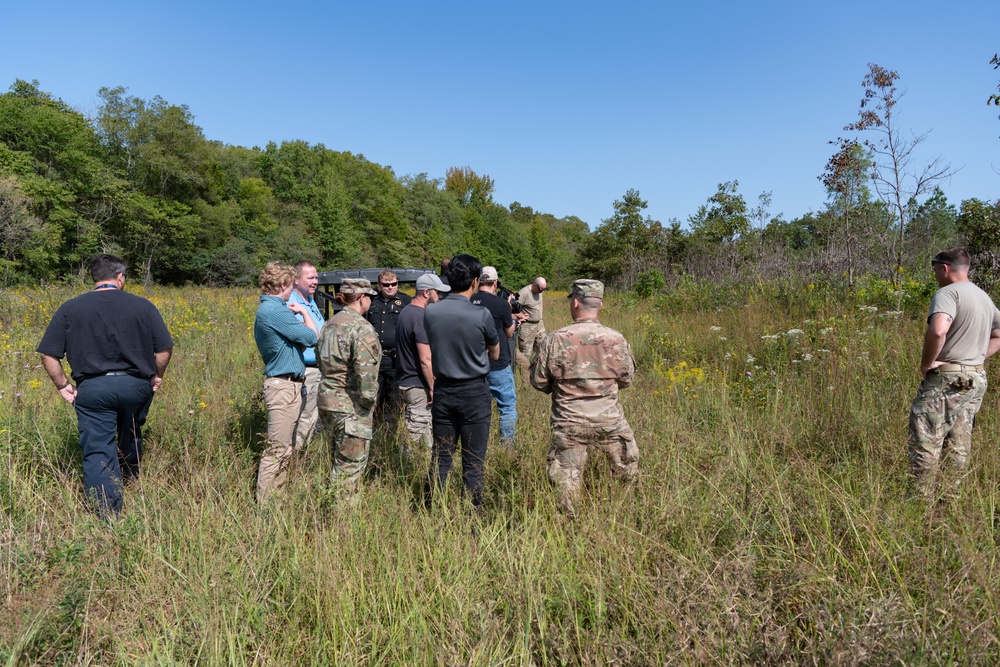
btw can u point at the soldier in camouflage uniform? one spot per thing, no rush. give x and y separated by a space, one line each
348 352
583 365
963 330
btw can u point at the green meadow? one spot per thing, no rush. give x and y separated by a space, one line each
770 523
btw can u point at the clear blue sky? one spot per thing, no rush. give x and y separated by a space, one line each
565 104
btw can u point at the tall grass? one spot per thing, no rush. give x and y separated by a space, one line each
770 522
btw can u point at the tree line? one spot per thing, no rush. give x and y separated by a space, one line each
140 180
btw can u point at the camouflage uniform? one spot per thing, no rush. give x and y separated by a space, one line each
583 365
531 331
951 394
348 352
943 413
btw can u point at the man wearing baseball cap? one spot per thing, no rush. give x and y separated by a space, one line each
414 371
582 366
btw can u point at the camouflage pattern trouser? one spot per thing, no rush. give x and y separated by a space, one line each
568 456
941 422
418 420
529 336
350 439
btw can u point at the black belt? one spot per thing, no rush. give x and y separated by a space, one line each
287 376
87 376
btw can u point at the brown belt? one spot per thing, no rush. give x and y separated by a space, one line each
957 368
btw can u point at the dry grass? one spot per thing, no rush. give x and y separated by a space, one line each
770 523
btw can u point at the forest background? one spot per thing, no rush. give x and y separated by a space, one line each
138 178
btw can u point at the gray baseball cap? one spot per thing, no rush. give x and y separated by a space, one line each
431 281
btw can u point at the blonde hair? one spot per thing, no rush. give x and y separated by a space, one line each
275 277
387 275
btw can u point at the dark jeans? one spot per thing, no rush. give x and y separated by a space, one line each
461 410
110 407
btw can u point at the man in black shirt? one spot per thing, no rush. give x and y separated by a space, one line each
463 341
501 375
118 348
383 315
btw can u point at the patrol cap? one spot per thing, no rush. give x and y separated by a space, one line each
586 287
431 281
489 273
357 286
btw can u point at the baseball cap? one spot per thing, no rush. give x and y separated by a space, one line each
489 273
586 287
431 281
357 286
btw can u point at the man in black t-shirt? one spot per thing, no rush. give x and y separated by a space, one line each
414 372
118 348
501 375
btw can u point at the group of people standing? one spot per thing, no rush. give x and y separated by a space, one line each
440 362
448 360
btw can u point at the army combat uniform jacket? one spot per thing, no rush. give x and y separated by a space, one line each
348 353
582 366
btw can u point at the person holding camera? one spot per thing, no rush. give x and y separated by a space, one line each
531 329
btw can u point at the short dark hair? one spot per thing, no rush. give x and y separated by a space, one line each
462 270
953 257
301 264
105 267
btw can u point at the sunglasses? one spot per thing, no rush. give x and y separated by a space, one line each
938 261
389 284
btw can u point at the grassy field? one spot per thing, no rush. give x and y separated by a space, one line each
770 523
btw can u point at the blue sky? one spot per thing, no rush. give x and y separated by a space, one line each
565 104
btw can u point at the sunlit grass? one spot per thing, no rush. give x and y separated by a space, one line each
770 522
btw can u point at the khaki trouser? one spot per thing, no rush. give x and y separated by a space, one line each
941 422
418 421
529 336
309 417
283 399
568 456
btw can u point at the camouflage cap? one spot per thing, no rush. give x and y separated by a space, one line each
357 286
586 287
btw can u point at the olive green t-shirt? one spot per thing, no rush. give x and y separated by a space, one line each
974 317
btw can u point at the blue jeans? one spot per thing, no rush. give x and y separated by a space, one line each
461 411
110 408
502 387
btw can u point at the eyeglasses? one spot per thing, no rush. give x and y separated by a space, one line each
389 284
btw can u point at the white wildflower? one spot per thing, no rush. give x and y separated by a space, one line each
750 359
723 338
795 332
715 328
807 357
826 331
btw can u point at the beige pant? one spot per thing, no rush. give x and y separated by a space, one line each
309 418
418 420
283 399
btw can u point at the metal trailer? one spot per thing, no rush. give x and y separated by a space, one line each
329 282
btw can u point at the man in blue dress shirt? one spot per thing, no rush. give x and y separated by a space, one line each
306 282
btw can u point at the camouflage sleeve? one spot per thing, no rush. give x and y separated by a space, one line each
627 374
540 378
367 357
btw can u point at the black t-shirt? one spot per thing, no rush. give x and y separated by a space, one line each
409 332
502 318
107 330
